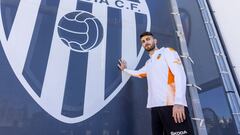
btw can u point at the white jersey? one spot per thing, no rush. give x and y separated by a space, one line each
166 78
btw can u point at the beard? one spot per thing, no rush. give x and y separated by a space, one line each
150 47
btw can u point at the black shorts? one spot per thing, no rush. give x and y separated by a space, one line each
163 123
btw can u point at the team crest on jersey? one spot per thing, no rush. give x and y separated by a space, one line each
65 53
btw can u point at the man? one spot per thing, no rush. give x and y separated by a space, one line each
166 88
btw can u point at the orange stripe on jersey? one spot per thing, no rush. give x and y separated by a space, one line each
142 75
170 77
171 49
171 88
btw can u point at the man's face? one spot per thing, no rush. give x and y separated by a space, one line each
148 42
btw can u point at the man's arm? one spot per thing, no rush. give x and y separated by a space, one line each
175 65
141 73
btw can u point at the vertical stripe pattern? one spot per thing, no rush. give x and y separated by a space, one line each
57 68
37 58
95 82
76 77
8 10
114 42
141 20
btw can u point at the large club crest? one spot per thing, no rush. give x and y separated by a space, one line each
66 57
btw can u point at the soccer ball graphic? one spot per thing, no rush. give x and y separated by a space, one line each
80 31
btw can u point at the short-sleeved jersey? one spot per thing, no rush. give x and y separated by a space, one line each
166 78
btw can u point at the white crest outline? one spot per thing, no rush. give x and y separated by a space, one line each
17 55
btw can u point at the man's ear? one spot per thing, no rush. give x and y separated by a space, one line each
155 40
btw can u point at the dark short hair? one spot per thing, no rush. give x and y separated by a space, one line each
146 34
